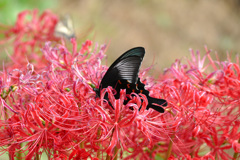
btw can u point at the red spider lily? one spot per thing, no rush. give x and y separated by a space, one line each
54 109
29 35
201 105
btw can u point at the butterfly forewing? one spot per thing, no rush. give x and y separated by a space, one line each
137 51
125 67
129 73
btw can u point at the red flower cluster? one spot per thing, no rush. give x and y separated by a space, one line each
204 106
29 35
54 109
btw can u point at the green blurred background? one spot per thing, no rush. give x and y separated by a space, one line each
167 29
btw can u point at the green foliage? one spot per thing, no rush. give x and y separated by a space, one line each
10 8
158 157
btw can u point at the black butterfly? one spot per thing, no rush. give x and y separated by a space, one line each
123 74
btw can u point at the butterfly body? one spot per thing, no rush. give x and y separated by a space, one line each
123 74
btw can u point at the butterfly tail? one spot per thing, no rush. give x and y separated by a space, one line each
159 104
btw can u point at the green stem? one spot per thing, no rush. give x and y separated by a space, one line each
10 156
48 154
169 151
236 154
19 153
37 156
115 150
192 153
98 152
108 157
81 145
115 153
